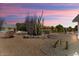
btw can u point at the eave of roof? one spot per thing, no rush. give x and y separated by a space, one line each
76 19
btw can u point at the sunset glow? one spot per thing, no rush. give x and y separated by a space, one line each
53 14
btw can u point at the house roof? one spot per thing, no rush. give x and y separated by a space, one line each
76 19
9 25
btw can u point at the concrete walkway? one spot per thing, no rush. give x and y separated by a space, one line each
74 46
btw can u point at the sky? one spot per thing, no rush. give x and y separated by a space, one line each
53 13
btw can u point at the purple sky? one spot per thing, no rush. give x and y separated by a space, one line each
54 13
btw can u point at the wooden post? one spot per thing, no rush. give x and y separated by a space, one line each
66 46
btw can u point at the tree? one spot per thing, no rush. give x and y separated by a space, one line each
53 29
65 30
59 28
70 29
46 30
21 26
1 22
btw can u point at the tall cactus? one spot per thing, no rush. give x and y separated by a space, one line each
34 24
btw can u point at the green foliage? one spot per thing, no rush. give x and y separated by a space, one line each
53 29
46 31
39 30
59 28
21 26
70 29
32 25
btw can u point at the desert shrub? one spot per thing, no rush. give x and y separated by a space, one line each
46 31
21 26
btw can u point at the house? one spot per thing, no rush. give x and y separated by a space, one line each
76 19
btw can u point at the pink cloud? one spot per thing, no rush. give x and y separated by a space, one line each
53 22
61 12
11 22
17 11
65 14
64 21
23 11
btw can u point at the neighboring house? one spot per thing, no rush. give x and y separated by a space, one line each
8 27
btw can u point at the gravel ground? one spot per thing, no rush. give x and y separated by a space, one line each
19 46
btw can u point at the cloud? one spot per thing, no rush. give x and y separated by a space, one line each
13 19
46 6
52 13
